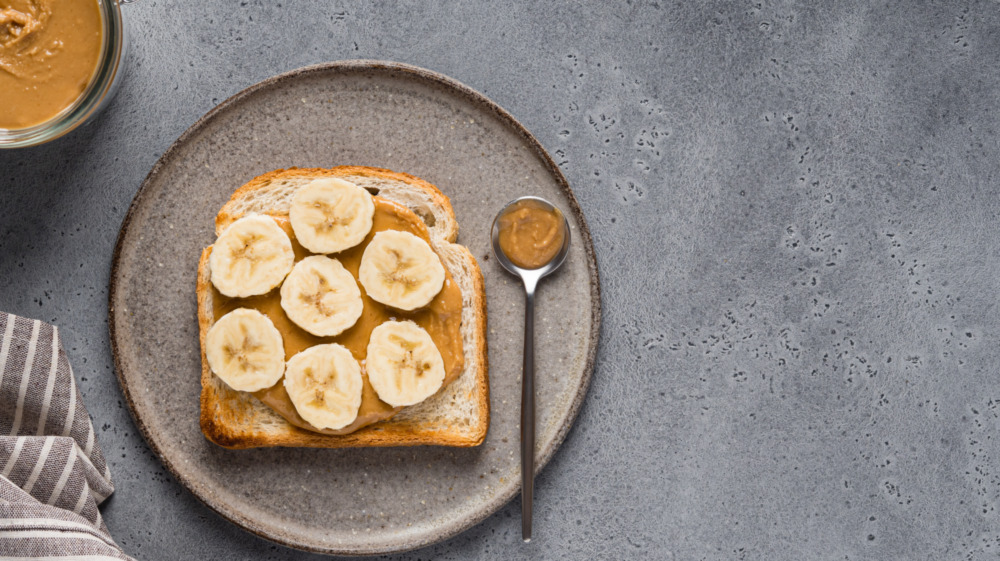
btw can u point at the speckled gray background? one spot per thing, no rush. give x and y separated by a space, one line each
794 210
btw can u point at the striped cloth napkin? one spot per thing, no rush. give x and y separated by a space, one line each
52 471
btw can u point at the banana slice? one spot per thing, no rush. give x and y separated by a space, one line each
251 257
321 296
324 384
404 366
330 215
245 350
400 270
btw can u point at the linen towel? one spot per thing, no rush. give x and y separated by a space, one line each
53 474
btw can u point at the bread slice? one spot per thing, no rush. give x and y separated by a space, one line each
458 415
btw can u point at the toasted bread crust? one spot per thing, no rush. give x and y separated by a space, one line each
229 214
237 420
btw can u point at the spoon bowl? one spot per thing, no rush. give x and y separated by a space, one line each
530 275
530 278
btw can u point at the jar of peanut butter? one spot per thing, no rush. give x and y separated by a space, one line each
59 65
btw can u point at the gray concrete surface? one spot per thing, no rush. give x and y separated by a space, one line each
795 211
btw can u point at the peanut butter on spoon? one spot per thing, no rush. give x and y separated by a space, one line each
531 234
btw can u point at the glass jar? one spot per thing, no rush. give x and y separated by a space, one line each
95 97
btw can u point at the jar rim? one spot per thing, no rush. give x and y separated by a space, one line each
90 100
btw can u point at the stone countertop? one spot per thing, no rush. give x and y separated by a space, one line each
794 207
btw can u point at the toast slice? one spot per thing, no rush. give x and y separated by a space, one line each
458 415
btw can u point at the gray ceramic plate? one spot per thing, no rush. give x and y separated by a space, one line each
359 501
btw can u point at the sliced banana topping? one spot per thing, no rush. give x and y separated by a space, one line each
401 270
330 215
404 366
245 350
251 257
321 296
324 384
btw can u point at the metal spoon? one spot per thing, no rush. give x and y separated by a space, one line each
530 278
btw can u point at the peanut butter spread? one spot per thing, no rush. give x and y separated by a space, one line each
49 50
442 319
531 234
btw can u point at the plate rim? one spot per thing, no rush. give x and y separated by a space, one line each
451 528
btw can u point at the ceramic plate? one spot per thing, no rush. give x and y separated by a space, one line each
356 501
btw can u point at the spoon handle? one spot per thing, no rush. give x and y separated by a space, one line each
528 415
